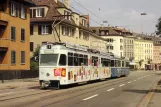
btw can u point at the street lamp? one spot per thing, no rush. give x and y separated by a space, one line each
142 14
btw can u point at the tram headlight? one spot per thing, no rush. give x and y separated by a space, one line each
47 74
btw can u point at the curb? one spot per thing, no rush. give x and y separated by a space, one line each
20 80
147 98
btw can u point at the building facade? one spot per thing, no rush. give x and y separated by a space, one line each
143 53
58 23
115 39
14 35
129 47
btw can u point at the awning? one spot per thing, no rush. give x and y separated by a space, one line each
132 63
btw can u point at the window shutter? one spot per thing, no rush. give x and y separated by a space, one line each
10 8
17 10
42 11
34 13
25 12
39 29
50 29
31 46
31 30
31 13
20 11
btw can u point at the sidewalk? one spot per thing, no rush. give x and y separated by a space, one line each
18 83
155 101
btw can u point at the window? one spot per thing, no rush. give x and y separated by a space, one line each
45 29
80 59
13 57
22 34
31 30
83 22
85 35
80 34
22 57
105 62
85 60
13 33
13 10
67 15
48 59
123 63
73 32
63 30
102 32
94 31
31 46
22 12
95 60
121 47
112 63
121 40
75 59
70 59
40 12
111 47
62 60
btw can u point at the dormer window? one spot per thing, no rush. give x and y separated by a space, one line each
37 12
67 15
83 22
102 32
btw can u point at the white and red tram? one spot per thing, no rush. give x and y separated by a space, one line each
64 64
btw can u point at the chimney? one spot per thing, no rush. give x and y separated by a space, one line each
56 1
66 3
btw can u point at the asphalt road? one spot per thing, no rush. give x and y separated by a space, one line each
121 92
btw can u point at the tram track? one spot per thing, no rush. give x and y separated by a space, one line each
59 93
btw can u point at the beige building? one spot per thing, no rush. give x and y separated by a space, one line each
143 53
129 47
54 21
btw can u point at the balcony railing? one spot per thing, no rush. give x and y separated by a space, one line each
4 42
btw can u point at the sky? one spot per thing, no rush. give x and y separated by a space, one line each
121 13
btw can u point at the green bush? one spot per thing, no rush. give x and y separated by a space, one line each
34 66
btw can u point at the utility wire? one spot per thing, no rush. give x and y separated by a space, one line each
88 10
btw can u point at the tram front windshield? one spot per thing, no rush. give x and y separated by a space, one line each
48 59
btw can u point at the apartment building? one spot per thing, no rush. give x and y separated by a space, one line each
156 53
114 37
14 35
54 21
143 53
129 47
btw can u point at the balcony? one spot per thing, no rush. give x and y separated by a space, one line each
4 42
4 18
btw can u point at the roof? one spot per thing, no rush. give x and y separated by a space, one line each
51 4
110 29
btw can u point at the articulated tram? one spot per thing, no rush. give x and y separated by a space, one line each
64 64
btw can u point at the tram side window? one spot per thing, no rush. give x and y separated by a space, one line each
86 60
80 61
119 63
116 63
127 64
70 59
95 60
112 63
123 64
104 62
62 60
75 59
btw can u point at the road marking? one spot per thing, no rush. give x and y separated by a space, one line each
122 85
6 93
90 97
111 89
129 82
